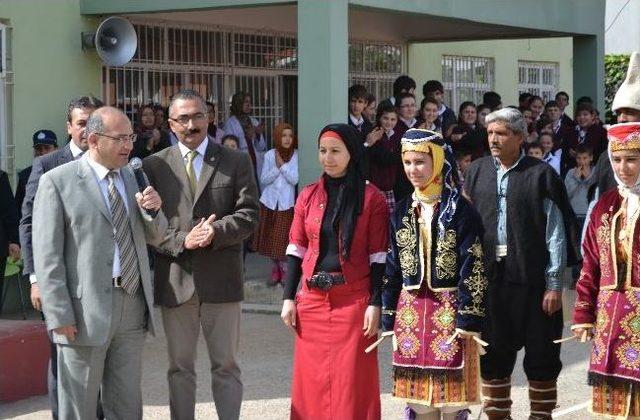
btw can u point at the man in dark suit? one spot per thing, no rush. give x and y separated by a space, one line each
198 271
44 142
78 113
8 226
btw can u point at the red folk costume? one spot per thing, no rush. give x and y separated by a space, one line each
608 291
333 377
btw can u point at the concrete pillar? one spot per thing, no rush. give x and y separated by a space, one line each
323 43
588 69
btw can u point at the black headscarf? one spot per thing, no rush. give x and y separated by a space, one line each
350 199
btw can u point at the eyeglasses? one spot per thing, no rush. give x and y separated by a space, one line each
184 119
123 138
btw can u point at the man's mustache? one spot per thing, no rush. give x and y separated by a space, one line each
192 131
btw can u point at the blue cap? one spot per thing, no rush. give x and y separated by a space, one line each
45 137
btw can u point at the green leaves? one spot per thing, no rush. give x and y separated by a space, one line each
615 70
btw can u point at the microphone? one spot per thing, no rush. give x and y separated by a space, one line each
141 180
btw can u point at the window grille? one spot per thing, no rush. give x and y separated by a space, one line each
538 78
218 61
7 146
466 79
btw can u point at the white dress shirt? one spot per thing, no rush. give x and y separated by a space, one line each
75 150
279 184
103 182
197 161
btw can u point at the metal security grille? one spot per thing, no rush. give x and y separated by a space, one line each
219 61
7 145
538 78
466 79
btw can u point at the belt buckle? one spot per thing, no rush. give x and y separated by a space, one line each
322 281
117 281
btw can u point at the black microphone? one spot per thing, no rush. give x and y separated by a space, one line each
141 179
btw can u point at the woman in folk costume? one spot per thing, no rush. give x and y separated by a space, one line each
337 245
434 286
607 308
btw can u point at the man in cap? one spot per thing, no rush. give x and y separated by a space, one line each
44 142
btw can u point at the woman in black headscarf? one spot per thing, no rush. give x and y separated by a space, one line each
337 245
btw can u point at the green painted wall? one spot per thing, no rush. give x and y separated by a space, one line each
425 60
49 66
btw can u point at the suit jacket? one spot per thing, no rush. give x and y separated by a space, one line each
226 188
21 188
8 218
73 250
40 166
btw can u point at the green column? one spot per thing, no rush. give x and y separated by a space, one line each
588 69
323 43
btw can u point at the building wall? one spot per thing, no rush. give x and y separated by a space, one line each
425 61
49 67
622 32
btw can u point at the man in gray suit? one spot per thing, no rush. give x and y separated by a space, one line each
90 258
198 271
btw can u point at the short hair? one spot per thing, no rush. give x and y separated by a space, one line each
585 106
551 104
427 100
432 86
371 98
402 96
465 104
231 137
511 118
492 99
95 123
385 108
357 92
583 148
480 107
534 145
562 93
187 95
461 152
535 98
584 100
83 102
401 83
524 96
523 109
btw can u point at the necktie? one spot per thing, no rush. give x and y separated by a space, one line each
129 271
191 173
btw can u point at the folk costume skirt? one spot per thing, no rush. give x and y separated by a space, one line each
272 237
333 378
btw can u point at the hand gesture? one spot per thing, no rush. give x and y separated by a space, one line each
149 199
457 137
279 160
374 136
201 235
288 313
551 301
259 129
371 321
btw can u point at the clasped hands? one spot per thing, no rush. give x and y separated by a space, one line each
201 235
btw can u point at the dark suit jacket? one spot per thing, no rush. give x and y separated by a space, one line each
226 188
40 166
8 219
21 188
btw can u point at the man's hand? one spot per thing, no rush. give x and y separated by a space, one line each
551 302
14 251
35 297
201 235
288 313
149 199
68 331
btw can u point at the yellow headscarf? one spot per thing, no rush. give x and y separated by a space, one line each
420 140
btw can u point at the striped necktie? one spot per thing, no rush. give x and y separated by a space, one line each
191 173
129 271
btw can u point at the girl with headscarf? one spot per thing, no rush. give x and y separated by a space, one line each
247 128
337 247
279 178
150 138
607 308
433 295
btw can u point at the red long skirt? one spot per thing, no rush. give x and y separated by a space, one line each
333 378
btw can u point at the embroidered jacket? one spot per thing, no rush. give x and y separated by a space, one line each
455 260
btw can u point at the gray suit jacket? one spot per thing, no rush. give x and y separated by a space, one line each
73 246
226 188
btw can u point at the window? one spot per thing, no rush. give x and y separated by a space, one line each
538 78
375 66
7 152
466 79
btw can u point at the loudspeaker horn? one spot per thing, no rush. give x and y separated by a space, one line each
115 41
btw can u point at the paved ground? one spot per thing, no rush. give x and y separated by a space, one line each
266 361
